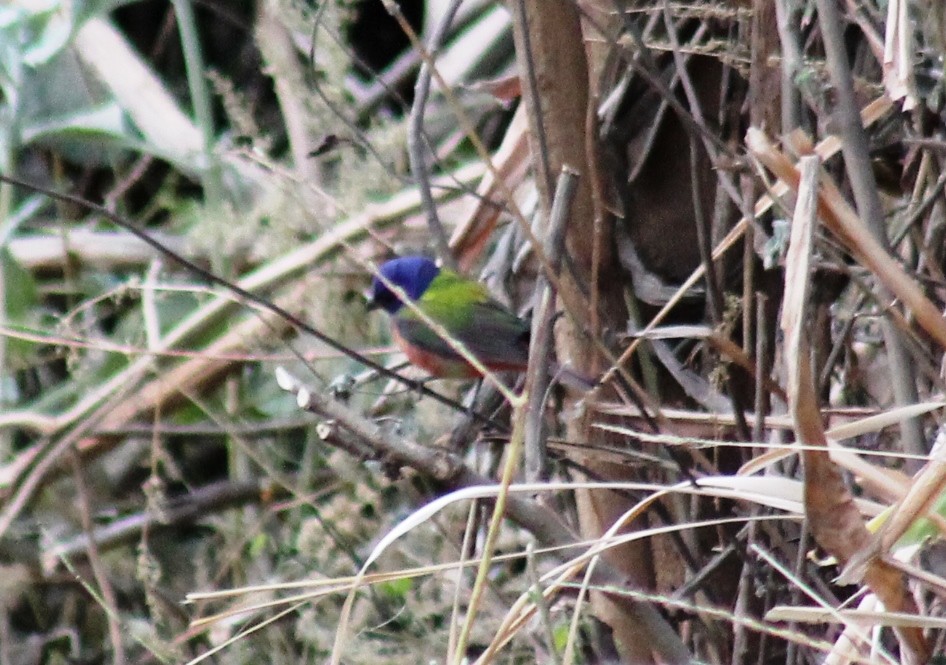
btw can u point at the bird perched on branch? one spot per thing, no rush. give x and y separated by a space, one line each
464 308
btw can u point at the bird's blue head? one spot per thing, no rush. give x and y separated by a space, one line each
412 274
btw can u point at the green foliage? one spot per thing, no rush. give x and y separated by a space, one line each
258 545
92 134
21 305
47 97
560 633
396 589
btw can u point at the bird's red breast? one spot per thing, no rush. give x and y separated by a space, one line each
447 367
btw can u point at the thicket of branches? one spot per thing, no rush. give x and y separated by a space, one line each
197 405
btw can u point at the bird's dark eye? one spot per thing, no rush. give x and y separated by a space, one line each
387 299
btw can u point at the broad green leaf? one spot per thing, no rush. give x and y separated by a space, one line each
88 135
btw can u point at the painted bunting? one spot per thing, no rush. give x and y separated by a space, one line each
497 337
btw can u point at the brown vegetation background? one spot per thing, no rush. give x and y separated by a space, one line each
731 215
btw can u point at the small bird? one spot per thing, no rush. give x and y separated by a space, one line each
464 308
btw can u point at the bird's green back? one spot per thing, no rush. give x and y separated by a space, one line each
451 299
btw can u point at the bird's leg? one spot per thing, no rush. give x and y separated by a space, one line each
474 397
465 429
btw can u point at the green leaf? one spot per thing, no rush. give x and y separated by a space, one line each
920 531
20 300
396 589
90 135
258 545
105 120
560 635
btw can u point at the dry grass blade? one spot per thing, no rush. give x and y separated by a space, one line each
884 482
898 55
926 488
833 518
818 615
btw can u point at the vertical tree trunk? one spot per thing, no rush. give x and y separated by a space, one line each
554 68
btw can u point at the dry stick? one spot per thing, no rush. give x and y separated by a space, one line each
744 591
801 397
359 136
543 162
449 469
537 380
594 156
788 19
703 230
466 125
383 83
859 172
825 378
187 509
870 114
759 110
827 602
931 197
6 637
919 351
416 143
538 107
106 250
711 142
106 589
532 23
801 561
512 159
646 71
538 599
715 297
281 61
761 368
585 326
379 91
740 643
472 522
